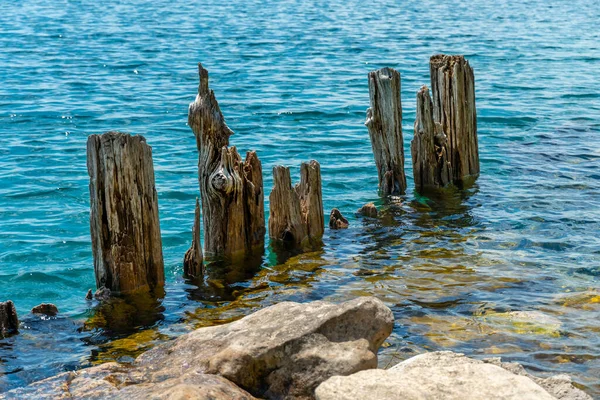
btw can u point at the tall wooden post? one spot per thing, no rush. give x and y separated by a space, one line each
453 92
296 213
384 122
126 241
431 167
231 189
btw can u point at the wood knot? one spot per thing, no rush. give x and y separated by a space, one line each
219 182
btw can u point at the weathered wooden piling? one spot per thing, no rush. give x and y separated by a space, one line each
431 167
384 122
9 322
296 213
231 189
453 92
126 242
193 260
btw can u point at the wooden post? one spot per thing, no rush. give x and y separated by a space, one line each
453 91
9 322
384 122
431 167
193 260
126 241
231 189
296 214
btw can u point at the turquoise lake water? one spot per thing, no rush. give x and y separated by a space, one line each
291 80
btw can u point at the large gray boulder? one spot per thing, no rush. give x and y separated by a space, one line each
284 351
281 352
440 375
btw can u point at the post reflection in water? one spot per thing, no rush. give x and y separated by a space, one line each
222 280
122 327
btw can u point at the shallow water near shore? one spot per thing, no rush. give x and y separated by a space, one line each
508 267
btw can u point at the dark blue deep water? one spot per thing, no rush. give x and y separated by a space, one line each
508 267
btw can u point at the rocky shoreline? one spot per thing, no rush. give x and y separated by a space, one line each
315 350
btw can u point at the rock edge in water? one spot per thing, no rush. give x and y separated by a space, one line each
449 376
299 351
281 352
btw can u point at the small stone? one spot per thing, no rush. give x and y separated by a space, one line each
9 322
337 220
89 295
48 309
368 210
102 294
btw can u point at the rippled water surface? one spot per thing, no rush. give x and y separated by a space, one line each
509 266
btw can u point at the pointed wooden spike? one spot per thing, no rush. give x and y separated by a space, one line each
193 260
231 190
203 74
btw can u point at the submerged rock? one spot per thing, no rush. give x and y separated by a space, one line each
445 375
525 322
9 322
48 309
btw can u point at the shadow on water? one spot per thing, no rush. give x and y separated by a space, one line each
448 207
223 280
231 291
39 336
122 327
126 314
282 251
402 225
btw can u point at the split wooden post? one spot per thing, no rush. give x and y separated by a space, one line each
296 213
193 260
431 168
453 92
125 229
9 322
384 122
231 189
